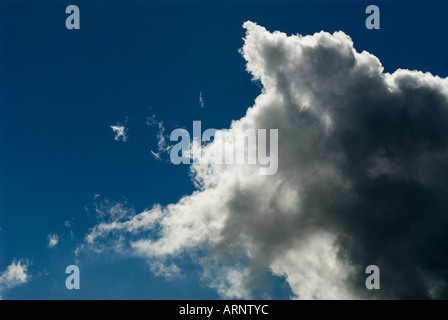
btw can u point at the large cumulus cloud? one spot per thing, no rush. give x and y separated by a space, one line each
362 179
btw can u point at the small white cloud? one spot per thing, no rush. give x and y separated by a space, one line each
156 155
151 120
14 275
169 272
68 225
161 139
53 240
120 133
108 210
201 100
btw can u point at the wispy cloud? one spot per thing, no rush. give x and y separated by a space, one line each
168 272
68 225
201 100
162 146
156 155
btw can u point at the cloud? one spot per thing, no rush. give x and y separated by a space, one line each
120 133
68 225
162 146
361 180
169 272
14 275
53 240
156 155
111 211
201 100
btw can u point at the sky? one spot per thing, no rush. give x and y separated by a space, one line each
85 171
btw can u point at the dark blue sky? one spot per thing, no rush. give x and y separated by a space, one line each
60 90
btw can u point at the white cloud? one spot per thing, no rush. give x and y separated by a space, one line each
53 240
14 275
162 146
111 210
161 139
120 133
156 155
68 223
169 272
201 100
363 159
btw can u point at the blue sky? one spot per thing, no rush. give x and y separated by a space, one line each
61 90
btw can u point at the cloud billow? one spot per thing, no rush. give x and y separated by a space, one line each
361 180
15 275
